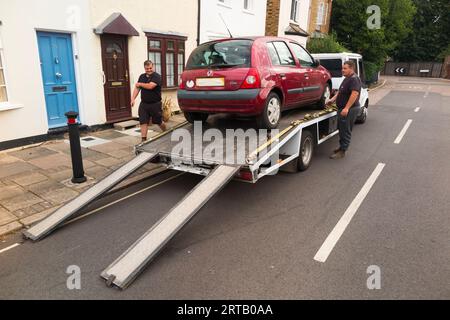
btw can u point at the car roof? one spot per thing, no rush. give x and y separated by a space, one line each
336 55
253 38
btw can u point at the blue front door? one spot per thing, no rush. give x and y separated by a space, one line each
58 74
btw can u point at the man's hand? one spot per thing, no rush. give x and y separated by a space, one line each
329 102
344 113
138 85
132 103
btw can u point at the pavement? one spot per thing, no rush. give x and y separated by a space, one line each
36 180
261 241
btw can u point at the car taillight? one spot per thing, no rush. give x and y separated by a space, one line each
182 85
252 81
245 175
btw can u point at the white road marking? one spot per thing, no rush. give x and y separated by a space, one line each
417 109
427 93
9 248
403 132
122 199
329 244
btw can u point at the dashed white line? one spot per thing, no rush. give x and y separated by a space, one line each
417 109
403 132
329 244
9 248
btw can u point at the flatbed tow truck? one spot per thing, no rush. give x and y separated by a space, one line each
290 149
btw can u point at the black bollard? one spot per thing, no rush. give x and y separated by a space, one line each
75 148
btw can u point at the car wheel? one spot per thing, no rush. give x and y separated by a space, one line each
325 96
196 116
270 118
362 118
306 151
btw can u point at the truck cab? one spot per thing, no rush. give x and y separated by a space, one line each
333 62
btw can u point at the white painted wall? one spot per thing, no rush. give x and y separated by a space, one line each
22 18
20 21
302 21
240 22
168 15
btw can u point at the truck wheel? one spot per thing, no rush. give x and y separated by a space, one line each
270 118
306 151
362 118
326 95
196 116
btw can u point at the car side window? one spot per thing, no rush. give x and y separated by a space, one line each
273 54
302 55
285 56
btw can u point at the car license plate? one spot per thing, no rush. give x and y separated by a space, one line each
210 82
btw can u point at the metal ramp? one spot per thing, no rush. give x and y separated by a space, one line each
49 224
125 269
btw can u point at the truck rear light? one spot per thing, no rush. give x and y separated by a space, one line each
245 175
252 81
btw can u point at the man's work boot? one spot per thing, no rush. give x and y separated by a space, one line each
337 150
338 155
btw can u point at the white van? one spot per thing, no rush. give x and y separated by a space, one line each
333 62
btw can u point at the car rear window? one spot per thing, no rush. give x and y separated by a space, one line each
334 66
223 54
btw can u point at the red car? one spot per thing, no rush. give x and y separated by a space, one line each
256 76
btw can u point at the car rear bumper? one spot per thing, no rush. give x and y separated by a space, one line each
248 101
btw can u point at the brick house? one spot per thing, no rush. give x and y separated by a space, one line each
320 17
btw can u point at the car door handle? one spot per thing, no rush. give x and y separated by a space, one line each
283 75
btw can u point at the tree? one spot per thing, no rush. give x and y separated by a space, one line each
431 32
349 22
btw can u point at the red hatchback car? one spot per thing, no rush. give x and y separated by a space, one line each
253 77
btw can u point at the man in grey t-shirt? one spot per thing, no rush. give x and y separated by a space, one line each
347 101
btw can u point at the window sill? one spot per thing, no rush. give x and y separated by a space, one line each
224 5
5 106
169 89
248 12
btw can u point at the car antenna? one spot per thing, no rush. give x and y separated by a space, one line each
231 36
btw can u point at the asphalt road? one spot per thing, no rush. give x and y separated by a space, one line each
259 241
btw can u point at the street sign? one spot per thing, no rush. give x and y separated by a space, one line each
400 70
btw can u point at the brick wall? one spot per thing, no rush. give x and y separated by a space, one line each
312 27
273 16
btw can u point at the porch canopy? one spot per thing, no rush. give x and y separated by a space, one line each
295 30
116 24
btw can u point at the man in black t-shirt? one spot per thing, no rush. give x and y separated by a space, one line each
150 109
347 101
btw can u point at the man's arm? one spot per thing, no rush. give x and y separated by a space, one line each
333 100
134 96
148 86
351 101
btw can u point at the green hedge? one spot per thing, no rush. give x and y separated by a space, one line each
327 44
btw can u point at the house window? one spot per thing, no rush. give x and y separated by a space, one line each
168 55
322 14
248 5
294 10
3 92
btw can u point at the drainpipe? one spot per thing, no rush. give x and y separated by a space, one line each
198 21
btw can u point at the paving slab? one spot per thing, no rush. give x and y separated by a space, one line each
108 134
14 226
6 217
28 221
60 196
26 179
32 153
25 200
109 162
107 147
8 192
15 168
52 161
43 188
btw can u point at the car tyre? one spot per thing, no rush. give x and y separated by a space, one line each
270 118
325 96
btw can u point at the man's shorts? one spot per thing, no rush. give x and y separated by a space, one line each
151 111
